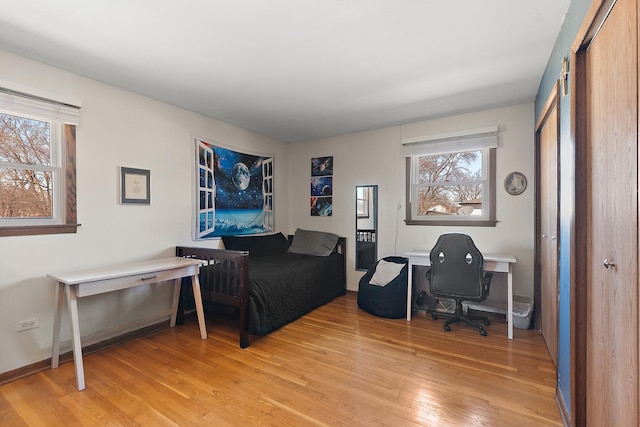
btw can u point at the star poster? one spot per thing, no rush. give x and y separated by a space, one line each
321 186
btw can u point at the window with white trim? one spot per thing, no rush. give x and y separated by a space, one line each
451 178
363 195
37 165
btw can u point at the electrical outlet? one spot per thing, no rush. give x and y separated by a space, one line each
24 325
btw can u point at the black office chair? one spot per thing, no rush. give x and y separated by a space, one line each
456 273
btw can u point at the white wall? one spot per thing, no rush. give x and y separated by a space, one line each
117 128
375 157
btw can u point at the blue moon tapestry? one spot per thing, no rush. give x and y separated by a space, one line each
235 192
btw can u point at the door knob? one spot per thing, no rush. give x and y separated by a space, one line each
606 263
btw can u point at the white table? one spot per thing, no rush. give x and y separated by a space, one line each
83 283
499 263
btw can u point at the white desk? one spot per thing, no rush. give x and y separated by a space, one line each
500 263
79 284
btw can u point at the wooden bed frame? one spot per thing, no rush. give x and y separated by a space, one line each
231 280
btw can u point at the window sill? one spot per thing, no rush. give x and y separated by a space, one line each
32 230
449 223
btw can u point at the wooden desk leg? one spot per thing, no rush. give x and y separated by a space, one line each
409 289
55 350
195 283
176 299
72 301
510 303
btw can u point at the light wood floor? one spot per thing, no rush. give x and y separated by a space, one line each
337 366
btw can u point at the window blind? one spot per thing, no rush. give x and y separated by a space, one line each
467 140
34 106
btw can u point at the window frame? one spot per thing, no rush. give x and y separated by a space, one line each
362 202
489 163
65 203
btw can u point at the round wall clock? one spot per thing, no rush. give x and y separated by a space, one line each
515 183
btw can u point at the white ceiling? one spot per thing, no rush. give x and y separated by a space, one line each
296 70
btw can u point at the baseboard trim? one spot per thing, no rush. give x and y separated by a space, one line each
43 365
564 413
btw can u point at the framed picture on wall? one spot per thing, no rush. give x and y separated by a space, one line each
322 166
321 206
515 183
135 186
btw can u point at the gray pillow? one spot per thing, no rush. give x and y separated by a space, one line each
309 242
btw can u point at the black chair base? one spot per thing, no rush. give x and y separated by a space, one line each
459 316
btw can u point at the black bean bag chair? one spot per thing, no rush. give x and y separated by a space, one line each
386 298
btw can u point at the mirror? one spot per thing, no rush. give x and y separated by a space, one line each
366 226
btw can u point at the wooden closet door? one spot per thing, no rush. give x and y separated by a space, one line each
611 63
548 232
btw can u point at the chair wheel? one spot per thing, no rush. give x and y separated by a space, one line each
448 328
487 322
434 316
483 332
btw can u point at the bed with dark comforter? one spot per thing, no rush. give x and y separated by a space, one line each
272 280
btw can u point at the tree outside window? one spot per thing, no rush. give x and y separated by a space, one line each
26 172
450 184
